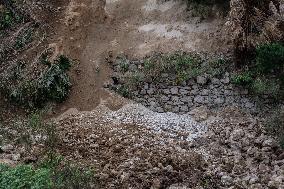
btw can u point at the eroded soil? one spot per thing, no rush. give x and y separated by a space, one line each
133 28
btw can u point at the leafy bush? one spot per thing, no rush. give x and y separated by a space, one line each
218 68
270 57
183 65
8 17
265 75
124 91
52 85
52 173
25 176
264 86
252 22
67 175
204 8
244 79
123 64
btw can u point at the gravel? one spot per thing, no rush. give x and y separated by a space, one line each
181 126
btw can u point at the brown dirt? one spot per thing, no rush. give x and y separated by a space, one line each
134 28
127 156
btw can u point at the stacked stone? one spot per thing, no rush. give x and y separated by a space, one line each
211 92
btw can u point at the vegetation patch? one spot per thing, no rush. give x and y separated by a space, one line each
160 68
51 173
264 75
8 18
205 8
24 176
52 84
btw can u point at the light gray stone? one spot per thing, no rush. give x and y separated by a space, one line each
174 90
226 180
176 100
146 86
226 79
215 81
143 92
16 157
219 100
7 148
167 107
133 67
164 75
166 91
165 98
186 99
269 143
184 108
150 91
201 80
191 82
175 109
195 87
205 92
160 110
183 91
152 103
237 134
199 99
194 92
227 92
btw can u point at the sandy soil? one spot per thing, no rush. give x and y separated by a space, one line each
134 28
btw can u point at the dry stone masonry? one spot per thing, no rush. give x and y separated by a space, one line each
165 95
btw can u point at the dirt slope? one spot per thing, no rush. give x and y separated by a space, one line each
135 28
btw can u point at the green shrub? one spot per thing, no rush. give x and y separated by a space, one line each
67 175
52 173
243 79
179 65
264 86
270 57
52 85
203 8
183 65
25 177
8 18
265 75
73 177
124 91
217 68
123 64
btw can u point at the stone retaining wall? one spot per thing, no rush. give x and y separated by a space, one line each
204 90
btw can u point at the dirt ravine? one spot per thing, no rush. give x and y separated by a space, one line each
134 28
